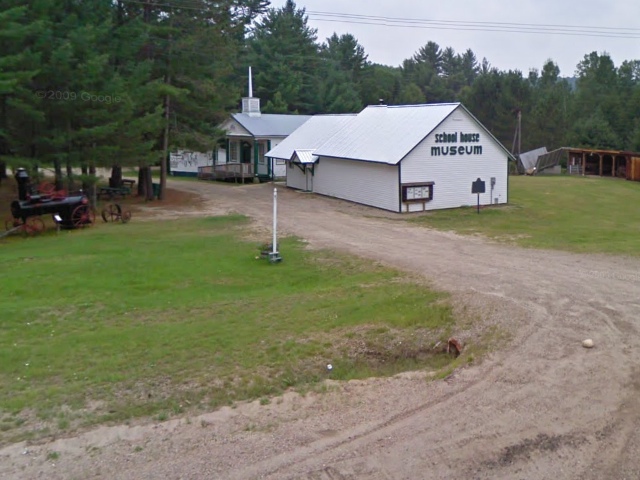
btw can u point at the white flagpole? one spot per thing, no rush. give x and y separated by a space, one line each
275 221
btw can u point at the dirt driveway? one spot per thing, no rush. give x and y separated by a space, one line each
543 407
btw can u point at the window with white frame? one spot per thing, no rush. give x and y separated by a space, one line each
233 151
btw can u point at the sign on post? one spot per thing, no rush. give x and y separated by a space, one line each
478 187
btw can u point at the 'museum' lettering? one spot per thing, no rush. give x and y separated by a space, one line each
451 151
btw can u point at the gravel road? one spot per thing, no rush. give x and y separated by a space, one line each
542 407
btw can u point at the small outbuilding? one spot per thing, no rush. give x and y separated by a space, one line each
405 158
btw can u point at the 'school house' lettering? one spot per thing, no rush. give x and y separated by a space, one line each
457 150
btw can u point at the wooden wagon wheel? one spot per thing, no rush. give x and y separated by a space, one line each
82 216
33 226
111 212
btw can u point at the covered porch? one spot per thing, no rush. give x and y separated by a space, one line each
248 152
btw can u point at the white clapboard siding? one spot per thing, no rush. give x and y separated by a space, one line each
453 175
186 163
221 156
361 182
296 177
279 168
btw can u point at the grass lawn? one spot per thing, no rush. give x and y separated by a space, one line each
164 318
556 212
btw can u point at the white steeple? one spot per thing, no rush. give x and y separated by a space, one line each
251 105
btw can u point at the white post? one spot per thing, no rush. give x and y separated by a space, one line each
275 220
250 84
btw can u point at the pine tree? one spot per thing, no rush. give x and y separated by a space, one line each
283 51
380 83
598 91
548 122
21 113
342 65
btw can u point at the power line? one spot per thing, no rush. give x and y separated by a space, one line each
512 24
435 24
605 32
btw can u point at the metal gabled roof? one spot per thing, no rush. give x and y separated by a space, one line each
529 159
270 125
304 156
313 133
386 134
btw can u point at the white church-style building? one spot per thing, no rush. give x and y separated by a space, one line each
249 135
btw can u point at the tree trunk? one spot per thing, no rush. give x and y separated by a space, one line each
149 182
116 176
165 150
145 183
167 108
70 183
57 166
142 192
92 186
85 184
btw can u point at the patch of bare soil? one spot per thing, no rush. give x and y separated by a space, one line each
175 204
540 406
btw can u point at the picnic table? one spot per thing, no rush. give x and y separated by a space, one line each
121 190
113 192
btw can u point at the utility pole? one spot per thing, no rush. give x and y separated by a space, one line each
517 138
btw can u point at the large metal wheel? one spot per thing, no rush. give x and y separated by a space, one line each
83 216
111 213
33 226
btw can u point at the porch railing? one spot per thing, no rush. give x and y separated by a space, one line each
226 171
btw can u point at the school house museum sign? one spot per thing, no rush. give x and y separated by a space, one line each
470 147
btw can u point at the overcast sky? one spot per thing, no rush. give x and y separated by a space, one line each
390 45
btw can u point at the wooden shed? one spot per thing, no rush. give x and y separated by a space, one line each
603 163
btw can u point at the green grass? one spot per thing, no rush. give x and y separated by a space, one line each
580 214
158 318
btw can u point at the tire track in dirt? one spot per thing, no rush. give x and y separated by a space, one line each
371 433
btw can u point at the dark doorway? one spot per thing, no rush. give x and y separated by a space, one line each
607 166
246 153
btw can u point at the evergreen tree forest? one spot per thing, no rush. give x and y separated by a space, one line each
120 83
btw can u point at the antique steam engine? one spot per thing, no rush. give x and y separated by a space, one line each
68 211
